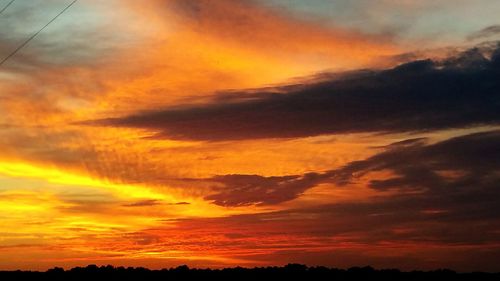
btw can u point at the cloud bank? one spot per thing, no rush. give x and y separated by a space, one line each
443 175
421 95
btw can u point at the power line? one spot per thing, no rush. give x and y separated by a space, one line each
38 32
6 6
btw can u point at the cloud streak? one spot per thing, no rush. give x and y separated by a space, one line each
418 96
435 171
239 190
485 33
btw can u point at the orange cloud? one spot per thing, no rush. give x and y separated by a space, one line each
165 56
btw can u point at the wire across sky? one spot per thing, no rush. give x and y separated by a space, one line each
36 33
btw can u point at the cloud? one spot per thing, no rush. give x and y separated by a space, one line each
393 231
422 95
143 203
60 78
153 202
445 209
448 171
180 203
485 33
277 32
238 190
460 168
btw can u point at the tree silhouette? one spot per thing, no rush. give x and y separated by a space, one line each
290 272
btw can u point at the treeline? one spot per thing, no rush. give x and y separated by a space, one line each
288 272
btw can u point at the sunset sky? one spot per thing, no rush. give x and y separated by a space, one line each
220 133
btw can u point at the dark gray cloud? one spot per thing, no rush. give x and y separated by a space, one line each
144 203
237 190
454 180
487 32
418 96
153 202
461 170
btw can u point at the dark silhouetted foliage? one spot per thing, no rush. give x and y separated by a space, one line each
288 272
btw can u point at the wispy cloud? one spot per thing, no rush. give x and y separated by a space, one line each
489 32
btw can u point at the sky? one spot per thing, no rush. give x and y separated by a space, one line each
250 133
